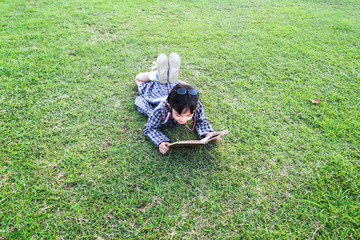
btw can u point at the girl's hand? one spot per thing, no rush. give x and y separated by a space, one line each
164 147
217 139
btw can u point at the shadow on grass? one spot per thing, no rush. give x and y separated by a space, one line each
150 170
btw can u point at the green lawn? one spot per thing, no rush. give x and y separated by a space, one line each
74 162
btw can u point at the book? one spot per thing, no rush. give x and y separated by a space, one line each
194 143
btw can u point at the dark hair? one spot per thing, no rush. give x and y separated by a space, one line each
181 102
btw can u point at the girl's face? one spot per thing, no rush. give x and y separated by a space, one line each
182 118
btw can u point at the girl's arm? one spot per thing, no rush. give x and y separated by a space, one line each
152 128
202 124
164 147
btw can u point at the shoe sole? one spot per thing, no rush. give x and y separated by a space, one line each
174 67
162 64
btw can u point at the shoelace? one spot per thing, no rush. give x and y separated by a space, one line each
193 124
154 66
166 118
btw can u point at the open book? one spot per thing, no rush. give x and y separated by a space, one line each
194 143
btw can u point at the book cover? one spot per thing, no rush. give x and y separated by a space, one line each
194 143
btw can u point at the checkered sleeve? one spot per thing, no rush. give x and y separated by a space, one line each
152 127
202 124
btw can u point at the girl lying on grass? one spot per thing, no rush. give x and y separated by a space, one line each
169 102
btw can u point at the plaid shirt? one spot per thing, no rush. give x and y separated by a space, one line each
156 119
151 102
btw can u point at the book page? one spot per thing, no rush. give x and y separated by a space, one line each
214 135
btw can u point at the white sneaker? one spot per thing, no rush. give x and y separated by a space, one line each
174 67
162 64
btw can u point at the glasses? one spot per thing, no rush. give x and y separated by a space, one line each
183 91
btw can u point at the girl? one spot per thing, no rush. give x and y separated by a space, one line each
169 102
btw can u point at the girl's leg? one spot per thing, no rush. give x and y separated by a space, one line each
142 77
162 64
174 67
161 75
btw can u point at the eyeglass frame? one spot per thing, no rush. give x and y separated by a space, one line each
190 91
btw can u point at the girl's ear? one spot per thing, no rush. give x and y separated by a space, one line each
168 105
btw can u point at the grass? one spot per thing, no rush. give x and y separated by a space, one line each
74 162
